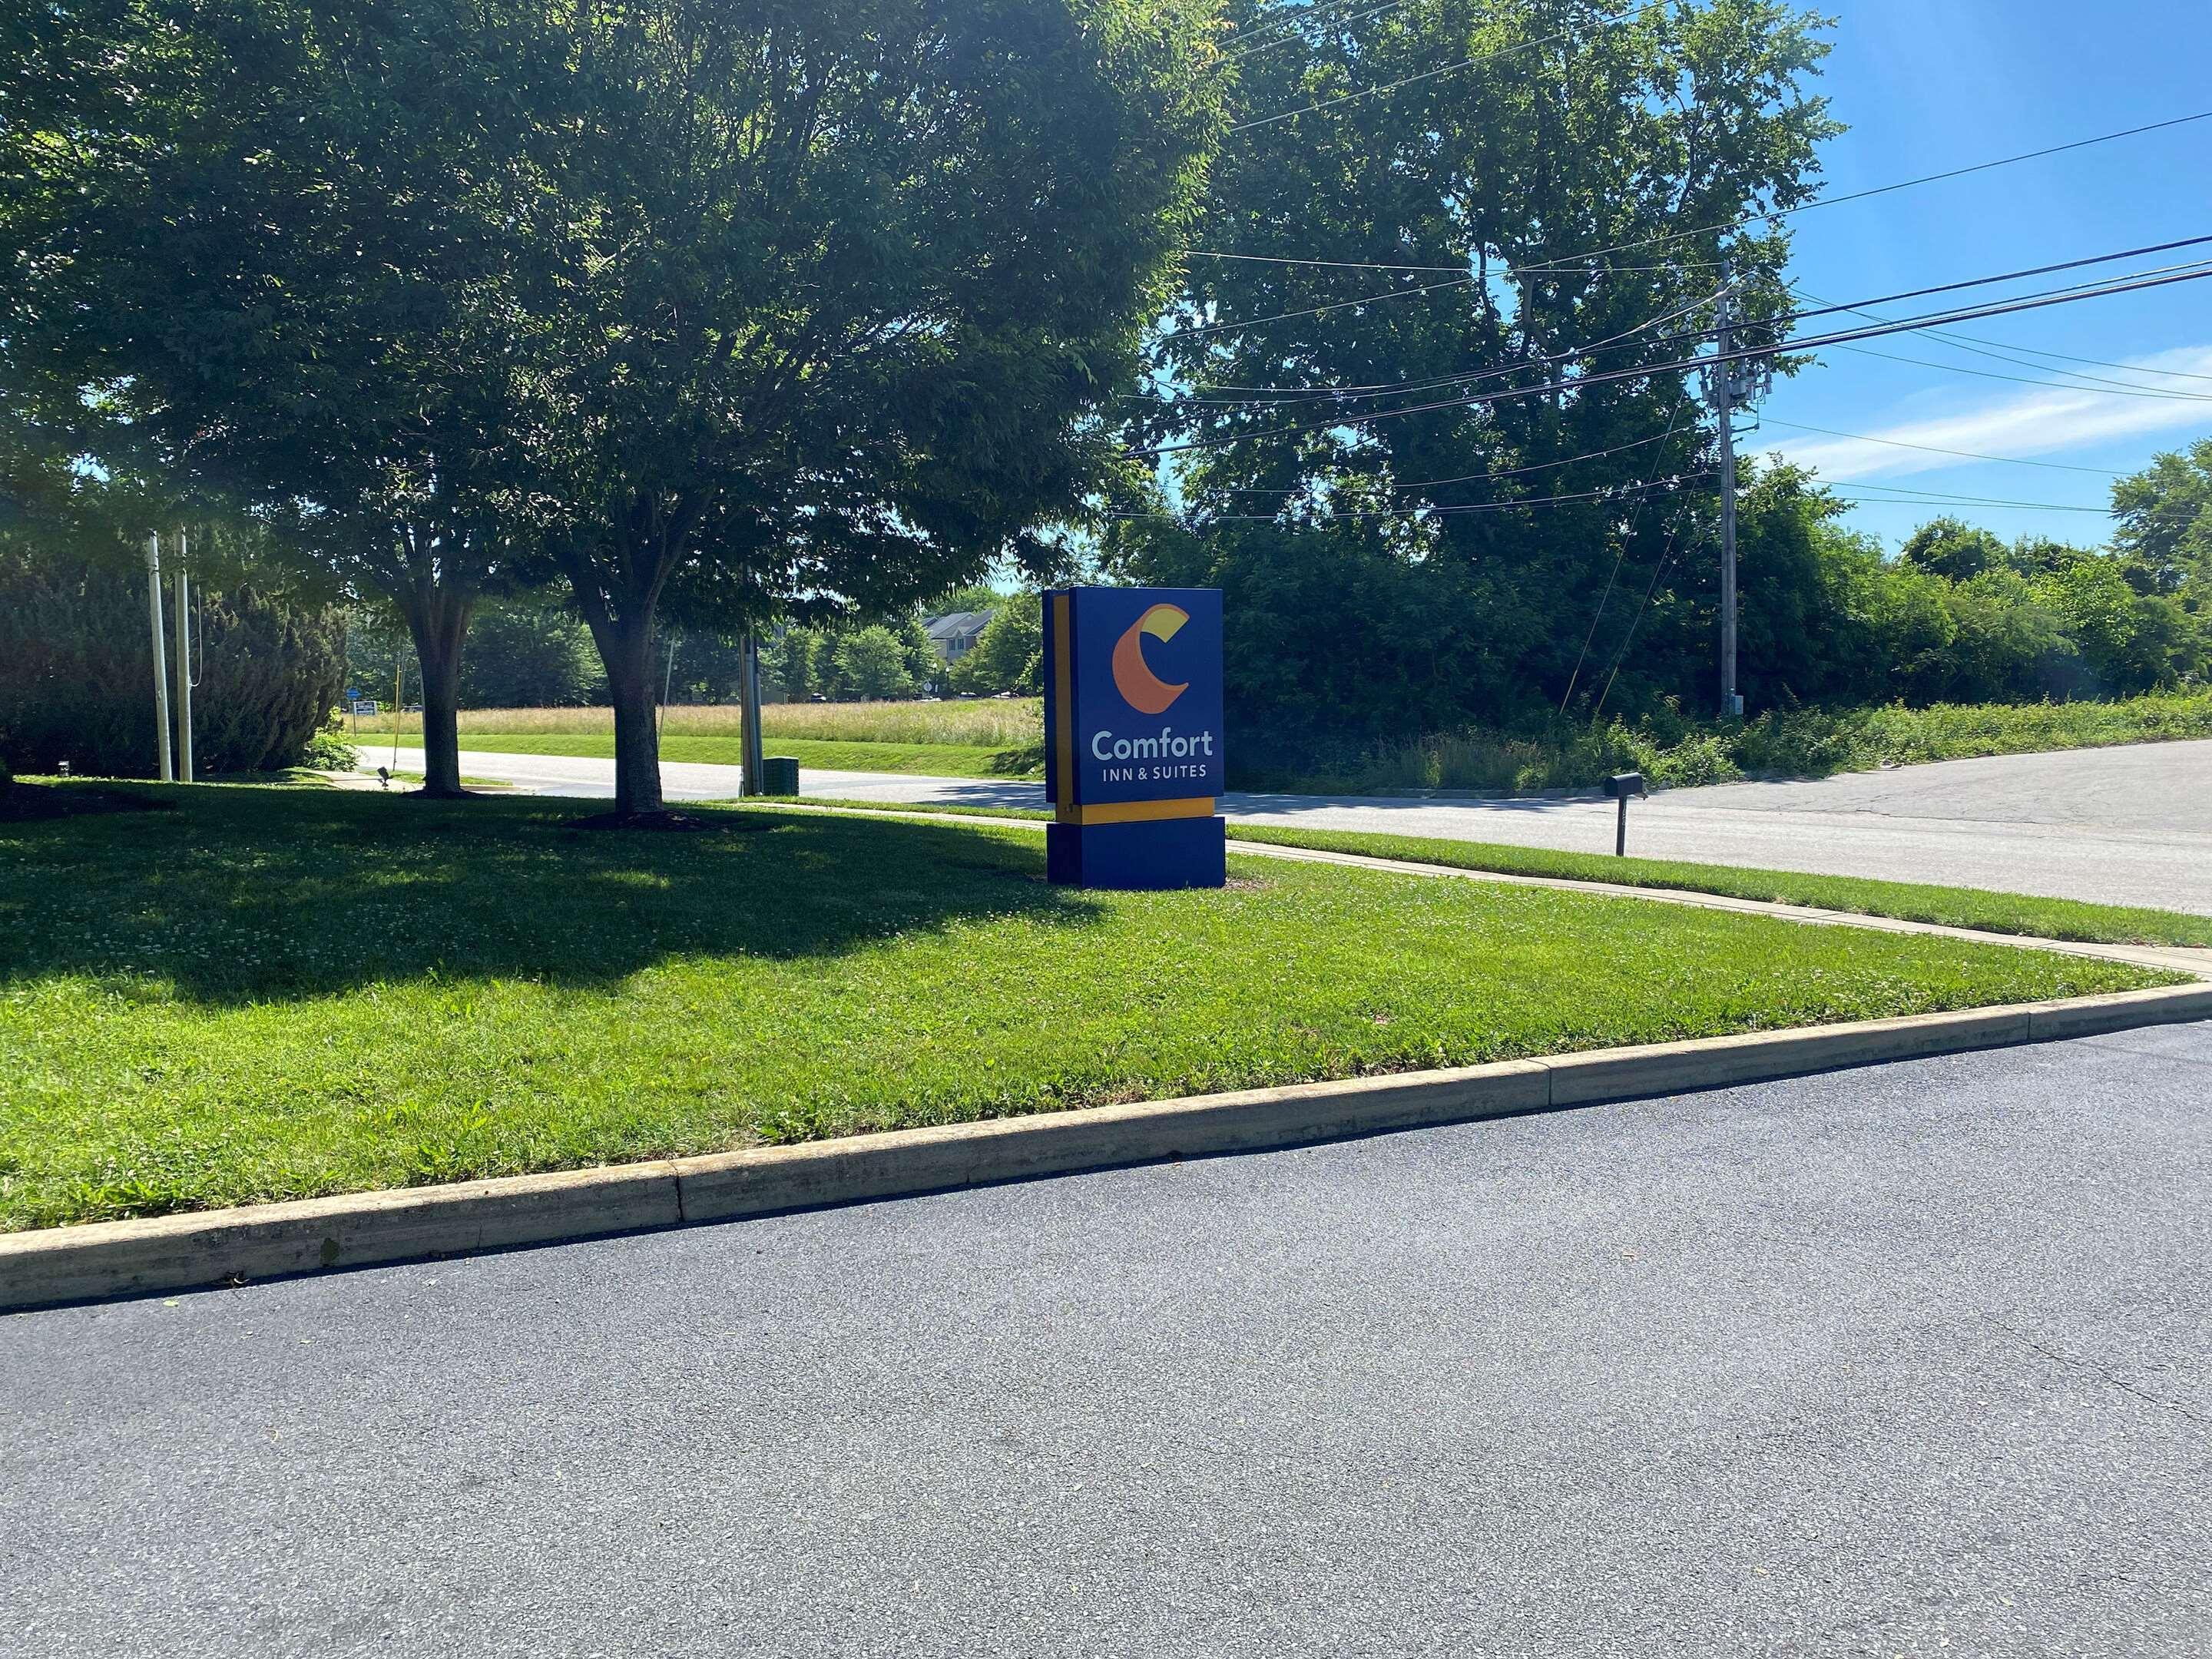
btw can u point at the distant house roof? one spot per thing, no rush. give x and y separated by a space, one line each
956 631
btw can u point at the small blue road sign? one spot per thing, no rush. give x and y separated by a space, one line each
1133 757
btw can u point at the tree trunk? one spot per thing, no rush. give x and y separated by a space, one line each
438 620
626 648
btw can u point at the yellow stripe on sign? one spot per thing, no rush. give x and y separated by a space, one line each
1063 709
1137 811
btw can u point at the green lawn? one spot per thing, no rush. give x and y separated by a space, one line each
944 760
277 993
1950 907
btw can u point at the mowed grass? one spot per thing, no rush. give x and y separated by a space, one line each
1949 907
982 737
273 993
932 760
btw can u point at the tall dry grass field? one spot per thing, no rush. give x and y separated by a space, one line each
985 723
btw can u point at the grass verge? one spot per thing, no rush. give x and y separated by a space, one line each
2022 914
1948 907
270 993
930 759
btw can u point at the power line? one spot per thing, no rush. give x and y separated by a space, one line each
1825 307
2004 355
2094 362
1879 190
1287 394
1315 311
1677 235
1283 28
2031 302
1932 449
2049 385
1337 265
1617 491
2008 161
1363 264
1480 478
1430 75
1619 559
1785 320
1666 559
1289 30
1928 498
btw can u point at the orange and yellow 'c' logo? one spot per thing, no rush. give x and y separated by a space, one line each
1141 689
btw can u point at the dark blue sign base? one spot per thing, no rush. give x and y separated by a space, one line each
1149 856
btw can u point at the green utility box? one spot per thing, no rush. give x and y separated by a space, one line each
779 775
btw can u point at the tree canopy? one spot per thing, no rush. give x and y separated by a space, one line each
253 244
1555 212
2166 521
724 305
827 300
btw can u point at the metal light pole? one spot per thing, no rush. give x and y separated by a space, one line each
749 693
160 665
183 666
1722 392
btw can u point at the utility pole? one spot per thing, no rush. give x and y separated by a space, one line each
160 665
183 666
1722 391
749 695
1728 383
668 681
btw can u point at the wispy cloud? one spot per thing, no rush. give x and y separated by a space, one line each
2028 424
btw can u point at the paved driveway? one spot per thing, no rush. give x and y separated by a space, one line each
1902 1361
2131 826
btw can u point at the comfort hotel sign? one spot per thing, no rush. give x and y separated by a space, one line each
1132 737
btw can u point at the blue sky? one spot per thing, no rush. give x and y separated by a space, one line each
1930 84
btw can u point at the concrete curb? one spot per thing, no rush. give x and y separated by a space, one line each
127 1258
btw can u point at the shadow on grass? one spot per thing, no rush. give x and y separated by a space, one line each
252 895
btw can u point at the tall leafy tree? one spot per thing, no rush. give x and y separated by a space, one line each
1514 194
823 300
1009 654
254 251
2166 521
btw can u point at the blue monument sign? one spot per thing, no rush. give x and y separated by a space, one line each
1132 737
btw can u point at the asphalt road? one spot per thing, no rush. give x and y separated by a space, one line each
1902 1361
2130 826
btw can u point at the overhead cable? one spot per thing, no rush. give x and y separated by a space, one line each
1616 491
1878 190
1938 499
2032 303
1786 319
1430 75
1290 30
2114 391
1933 449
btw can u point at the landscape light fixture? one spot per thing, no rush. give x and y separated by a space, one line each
1623 786
384 777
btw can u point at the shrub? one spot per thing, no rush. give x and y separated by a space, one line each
330 749
1676 753
76 672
